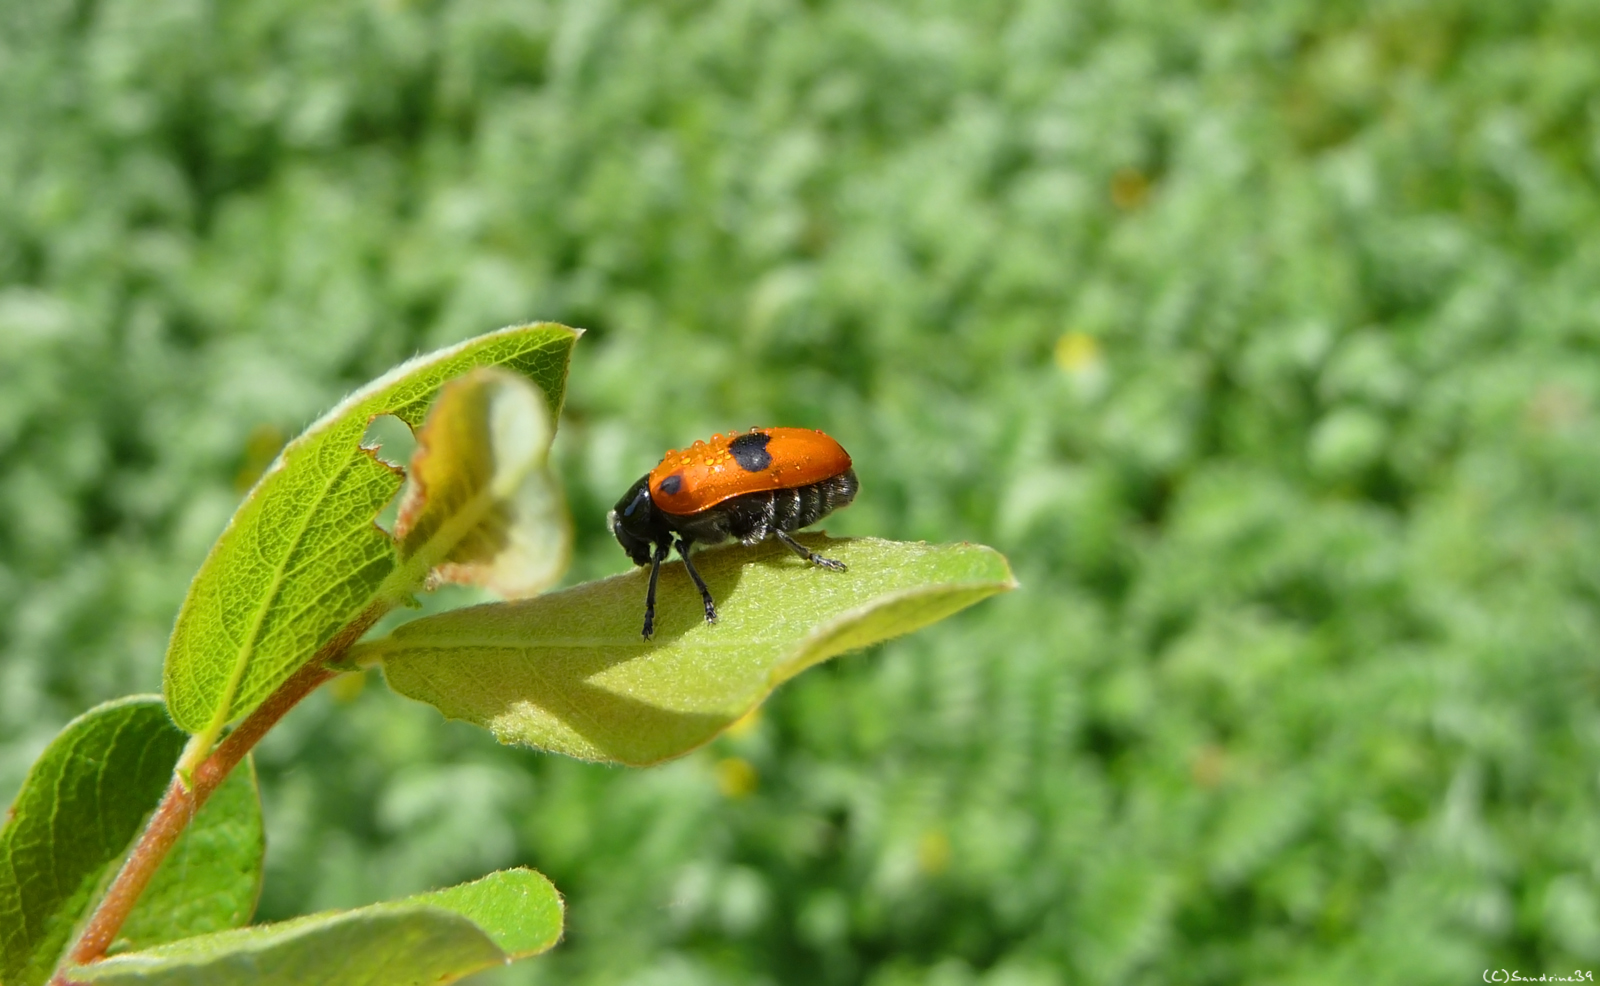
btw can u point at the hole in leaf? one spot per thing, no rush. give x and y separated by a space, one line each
392 441
392 438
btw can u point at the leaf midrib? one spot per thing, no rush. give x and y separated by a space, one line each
279 579
451 531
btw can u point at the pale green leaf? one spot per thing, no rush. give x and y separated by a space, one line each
211 879
481 506
82 804
429 938
301 557
568 671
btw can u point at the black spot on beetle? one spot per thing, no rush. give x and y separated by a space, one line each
672 484
750 451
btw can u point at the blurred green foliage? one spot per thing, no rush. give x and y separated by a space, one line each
1263 337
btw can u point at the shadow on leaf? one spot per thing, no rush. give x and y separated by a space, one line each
568 671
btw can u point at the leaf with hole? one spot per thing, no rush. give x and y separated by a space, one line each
481 505
302 558
435 937
568 672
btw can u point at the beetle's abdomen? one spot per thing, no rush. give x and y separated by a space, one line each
753 517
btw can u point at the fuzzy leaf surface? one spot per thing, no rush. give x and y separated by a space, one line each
301 557
481 505
435 937
82 804
211 879
568 671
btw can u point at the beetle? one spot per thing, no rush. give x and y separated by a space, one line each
751 486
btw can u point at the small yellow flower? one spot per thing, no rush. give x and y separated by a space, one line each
1077 352
933 852
736 777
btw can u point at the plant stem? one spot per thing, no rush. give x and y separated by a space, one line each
185 795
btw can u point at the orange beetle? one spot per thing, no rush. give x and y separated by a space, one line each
752 486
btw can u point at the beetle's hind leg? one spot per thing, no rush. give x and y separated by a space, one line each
808 554
699 583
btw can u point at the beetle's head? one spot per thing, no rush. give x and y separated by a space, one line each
633 520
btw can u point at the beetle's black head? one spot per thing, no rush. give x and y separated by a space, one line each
637 524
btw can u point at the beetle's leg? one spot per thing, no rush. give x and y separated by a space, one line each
656 559
808 554
705 594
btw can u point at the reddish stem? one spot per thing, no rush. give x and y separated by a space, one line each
181 802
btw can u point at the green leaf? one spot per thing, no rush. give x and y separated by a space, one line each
429 938
82 804
302 557
568 672
211 879
481 506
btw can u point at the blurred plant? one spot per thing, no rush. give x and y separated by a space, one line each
299 575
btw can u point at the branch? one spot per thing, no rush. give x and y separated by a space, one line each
183 800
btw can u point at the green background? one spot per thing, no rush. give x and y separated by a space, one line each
1263 337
